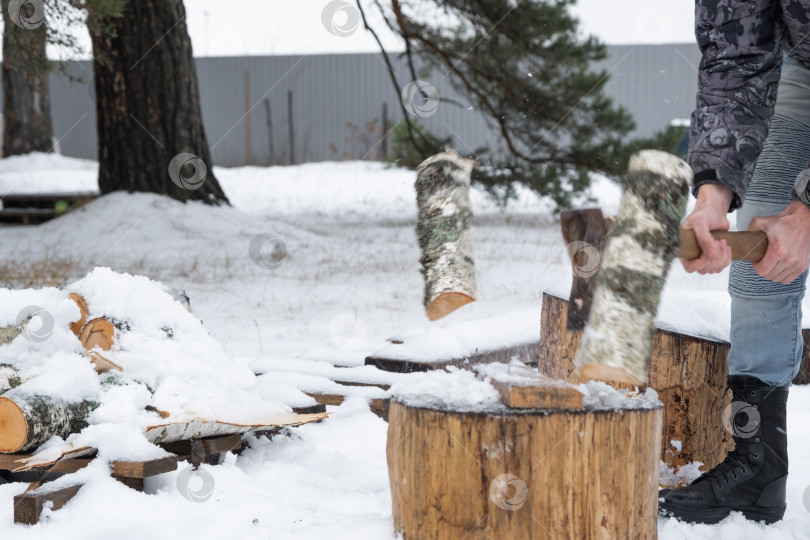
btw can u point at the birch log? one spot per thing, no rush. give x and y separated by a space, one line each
9 378
28 420
444 232
639 248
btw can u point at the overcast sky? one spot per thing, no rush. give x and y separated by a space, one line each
256 27
263 27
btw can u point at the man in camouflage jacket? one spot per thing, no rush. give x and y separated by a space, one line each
749 148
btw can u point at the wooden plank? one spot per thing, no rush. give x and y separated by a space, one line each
144 469
29 505
368 385
48 196
8 462
133 483
528 353
328 399
23 212
539 396
210 445
312 409
378 406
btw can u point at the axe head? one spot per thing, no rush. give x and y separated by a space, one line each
584 231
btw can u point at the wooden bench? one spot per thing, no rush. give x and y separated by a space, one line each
35 208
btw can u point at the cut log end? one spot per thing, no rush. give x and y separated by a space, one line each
446 303
98 333
76 326
610 374
13 427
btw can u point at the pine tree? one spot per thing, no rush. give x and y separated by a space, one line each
526 66
148 115
26 100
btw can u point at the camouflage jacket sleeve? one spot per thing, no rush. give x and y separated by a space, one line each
738 77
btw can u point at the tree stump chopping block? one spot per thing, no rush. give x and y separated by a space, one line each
689 373
523 474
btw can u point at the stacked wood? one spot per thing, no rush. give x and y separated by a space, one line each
689 373
444 232
523 473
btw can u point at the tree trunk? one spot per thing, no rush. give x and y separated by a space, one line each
444 232
149 122
26 99
29 420
524 474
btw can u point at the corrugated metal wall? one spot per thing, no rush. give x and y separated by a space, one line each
338 101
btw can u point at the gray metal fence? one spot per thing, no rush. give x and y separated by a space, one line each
283 109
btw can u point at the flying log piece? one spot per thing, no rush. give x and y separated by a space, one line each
639 249
566 471
444 232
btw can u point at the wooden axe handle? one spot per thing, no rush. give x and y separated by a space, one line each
745 245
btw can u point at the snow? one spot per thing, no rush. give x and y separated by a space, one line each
351 281
469 330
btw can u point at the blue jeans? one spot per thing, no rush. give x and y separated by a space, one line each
766 317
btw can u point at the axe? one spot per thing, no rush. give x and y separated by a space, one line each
585 230
617 292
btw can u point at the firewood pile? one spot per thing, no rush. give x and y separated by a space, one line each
114 358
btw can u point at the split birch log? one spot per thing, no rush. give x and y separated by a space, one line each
10 333
639 249
524 473
9 378
444 232
172 432
28 420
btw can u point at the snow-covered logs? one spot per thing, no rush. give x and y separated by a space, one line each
444 232
639 249
523 474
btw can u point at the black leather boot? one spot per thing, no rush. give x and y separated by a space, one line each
753 476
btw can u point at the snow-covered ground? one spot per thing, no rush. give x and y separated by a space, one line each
349 280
